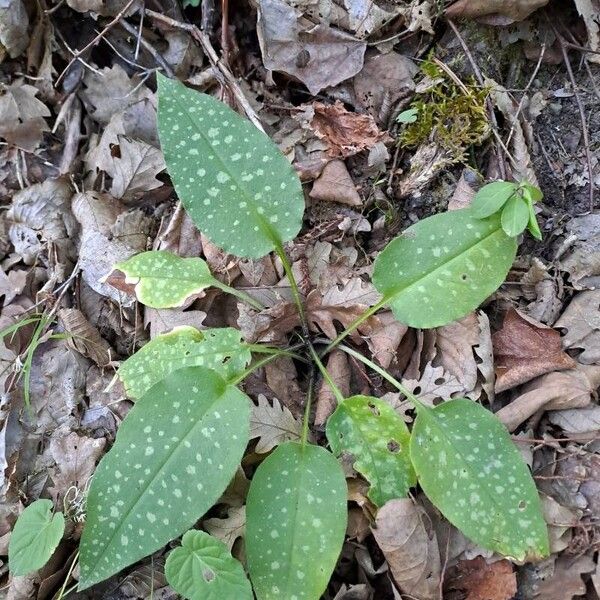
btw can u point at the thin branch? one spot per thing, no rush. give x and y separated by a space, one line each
204 41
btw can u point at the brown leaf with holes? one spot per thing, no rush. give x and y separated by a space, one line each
345 132
478 580
524 349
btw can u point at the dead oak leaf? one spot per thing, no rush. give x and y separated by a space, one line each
318 56
346 133
134 168
524 349
512 10
581 319
272 424
482 581
229 529
22 115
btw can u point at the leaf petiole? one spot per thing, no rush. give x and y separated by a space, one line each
401 388
334 388
243 296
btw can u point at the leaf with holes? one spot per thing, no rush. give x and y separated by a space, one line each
470 469
175 453
515 216
491 198
376 436
34 538
220 349
443 267
164 280
203 569
234 182
296 520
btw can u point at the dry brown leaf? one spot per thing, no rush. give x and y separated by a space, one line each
482 581
272 424
84 337
319 56
455 343
346 133
513 10
41 215
384 80
560 520
334 184
581 319
229 529
524 349
106 8
14 24
282 378
410 547
75 458
434 383
339 371
553 391
576 420
566 582
383 336
22 115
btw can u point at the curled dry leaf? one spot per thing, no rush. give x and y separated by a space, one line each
590 13
84 337
512 10
525 349
339 370
581 320
334 184
479 580
410 547
582 261
346 133
553 391
319 56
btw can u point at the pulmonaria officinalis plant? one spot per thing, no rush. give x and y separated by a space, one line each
180 445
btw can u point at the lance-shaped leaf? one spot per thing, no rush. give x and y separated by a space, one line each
162 279
236 185
443 267
34 538
202 568
470 469
174 455
296 519
376 436
220 349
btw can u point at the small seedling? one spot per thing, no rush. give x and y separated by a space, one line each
180 445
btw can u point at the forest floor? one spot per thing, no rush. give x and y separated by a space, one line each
500 89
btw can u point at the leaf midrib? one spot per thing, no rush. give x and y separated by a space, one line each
153 477
262 223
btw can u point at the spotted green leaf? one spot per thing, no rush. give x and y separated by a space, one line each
235 184
443 267
491 198
163 279
220 349
470 469
202 568
515 216
296 519
376 436
34 538
174 455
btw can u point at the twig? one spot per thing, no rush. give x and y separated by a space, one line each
225 31
522 101
584 126
204 41
148 46
77 53
488 101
